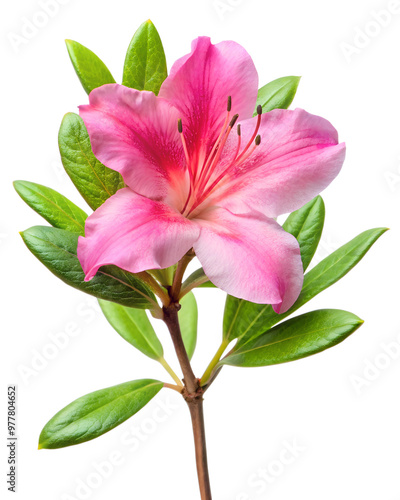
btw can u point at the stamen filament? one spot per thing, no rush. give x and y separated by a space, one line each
216 144
249 153
201 186
259 113
239 133
212 166
185 149
257 142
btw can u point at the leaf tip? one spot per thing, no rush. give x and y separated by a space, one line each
69 43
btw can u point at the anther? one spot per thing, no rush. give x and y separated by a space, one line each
258 140
259 109
180 125
229 106
239 132
233 121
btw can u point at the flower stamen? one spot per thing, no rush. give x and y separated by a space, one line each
216 144
185 149
239 133
218 155
257 142
209 191
203 186
259 113
189 166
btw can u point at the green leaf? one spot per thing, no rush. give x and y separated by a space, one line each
52 206
278 94
56 249
196 280
134 326
96 413
91 70
245 320
296 338
207 284
95 182
145 66
188 321
164 276
306 225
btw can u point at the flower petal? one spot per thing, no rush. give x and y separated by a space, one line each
250 257
136 134
199 85
298 157
135 234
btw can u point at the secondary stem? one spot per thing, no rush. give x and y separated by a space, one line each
156 287
180 271
206 376
177 388
164 363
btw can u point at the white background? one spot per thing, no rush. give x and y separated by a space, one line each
349 437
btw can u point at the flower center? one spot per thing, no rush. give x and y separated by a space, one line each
203 181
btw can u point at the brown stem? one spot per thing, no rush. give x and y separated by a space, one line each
193 394
196 412
172 322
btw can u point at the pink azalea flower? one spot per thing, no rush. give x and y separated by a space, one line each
201 172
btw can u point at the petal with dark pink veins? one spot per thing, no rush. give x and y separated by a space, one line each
250 257
135 133
135 234
299 156
199 85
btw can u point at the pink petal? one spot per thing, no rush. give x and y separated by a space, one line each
135 234
250 257
199 85
298 157
135 133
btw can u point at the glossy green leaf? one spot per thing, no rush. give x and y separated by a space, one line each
56 249
245 320
207 284
188 316
197 280
278 94
134 326
95 182
164 276
306 226
91 70
52 206
96 413
145 65
296 338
